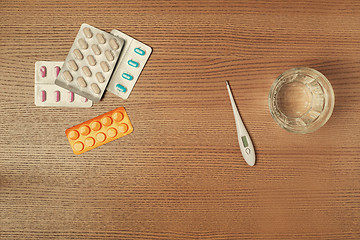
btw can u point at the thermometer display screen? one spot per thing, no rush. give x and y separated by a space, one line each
244 140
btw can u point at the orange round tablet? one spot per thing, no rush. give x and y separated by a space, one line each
118 116
111 132
78 146
89 141
100 137
73 135
84 130
106 121
123 127
95 126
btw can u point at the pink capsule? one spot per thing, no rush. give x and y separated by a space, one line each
57 96
57 71
43 71
43 96
71 96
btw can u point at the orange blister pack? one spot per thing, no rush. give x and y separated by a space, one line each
99 130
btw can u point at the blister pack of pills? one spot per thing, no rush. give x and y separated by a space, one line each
49 94
99 130
131 62
90 63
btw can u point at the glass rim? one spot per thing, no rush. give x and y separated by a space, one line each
328 104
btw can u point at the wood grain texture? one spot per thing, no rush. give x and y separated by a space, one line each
180 174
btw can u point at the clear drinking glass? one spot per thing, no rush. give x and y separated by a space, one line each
301 100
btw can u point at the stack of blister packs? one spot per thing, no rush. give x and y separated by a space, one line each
97 61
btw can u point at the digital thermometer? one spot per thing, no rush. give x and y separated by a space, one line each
246 145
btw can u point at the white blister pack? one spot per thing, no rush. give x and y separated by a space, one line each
50 95
131 62
90 63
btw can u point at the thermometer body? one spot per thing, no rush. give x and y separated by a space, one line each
245 143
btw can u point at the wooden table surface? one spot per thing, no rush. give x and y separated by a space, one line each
180 174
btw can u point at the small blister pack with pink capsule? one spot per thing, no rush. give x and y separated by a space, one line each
50 95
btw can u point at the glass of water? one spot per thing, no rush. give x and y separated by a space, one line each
301 100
